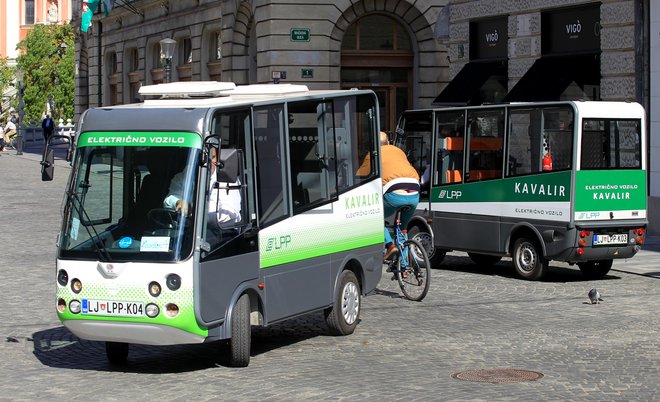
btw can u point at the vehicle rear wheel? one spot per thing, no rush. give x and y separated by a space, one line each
484 259
343 316
435 254
241 333
595 269
527 259
117 352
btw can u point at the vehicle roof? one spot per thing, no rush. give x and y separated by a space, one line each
584 108
182 106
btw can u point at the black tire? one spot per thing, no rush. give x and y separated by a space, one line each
416 278
117 352
343 316
528 260
595 269
241 333
484 259
436 255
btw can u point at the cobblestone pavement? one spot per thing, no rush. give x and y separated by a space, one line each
473 318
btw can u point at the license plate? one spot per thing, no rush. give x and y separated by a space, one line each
112 308
606 239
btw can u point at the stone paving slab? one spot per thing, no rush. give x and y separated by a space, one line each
473 318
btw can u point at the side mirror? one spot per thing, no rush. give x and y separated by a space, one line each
47 164
48 158
228 165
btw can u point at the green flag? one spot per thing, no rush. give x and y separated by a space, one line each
87 12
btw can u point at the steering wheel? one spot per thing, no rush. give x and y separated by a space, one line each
164 218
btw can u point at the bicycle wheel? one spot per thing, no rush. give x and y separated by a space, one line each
415 275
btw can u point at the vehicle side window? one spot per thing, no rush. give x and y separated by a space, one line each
355 134
312 154
539 140
416 141
229 205
271 169
450 129
485 145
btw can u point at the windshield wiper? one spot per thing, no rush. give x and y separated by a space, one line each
93 234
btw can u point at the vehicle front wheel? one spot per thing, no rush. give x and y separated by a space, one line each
527 259
595 269
343 316
117 352
436 255
241 333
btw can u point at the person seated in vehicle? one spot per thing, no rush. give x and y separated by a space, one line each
224 206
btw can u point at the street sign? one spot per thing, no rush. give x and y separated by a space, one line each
278 75
300 34
307 73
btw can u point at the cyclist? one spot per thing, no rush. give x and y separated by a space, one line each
10 130
400 187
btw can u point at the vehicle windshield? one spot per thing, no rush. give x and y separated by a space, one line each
125 197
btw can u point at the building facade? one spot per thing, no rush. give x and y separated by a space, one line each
18 16
388 46
413 54
557 50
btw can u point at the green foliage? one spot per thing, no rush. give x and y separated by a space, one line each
47 60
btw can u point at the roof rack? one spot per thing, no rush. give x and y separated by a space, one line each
268 89
189 89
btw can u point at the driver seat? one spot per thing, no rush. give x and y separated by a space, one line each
153 190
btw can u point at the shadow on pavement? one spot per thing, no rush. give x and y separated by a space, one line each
505 269
59 348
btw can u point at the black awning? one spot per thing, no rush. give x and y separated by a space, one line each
549 77
464 89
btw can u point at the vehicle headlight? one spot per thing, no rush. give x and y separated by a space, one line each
173 281
171 310
154 289
62 277
76 285
61 305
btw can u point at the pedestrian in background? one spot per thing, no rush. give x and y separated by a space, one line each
48 125
2 138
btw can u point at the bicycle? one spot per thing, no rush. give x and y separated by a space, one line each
410 264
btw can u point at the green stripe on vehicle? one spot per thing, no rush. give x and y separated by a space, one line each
140 139
546 187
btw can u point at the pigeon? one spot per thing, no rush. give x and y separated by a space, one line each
594 296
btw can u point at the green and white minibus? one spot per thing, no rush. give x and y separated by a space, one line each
308 235
562 181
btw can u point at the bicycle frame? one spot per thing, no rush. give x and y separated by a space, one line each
401 235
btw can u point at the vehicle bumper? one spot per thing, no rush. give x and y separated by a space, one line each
129 332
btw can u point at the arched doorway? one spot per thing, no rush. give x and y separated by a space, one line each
376 54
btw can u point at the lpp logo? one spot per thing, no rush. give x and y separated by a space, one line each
450 194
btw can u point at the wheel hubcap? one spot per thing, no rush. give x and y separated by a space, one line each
350 306
425 240
526 258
